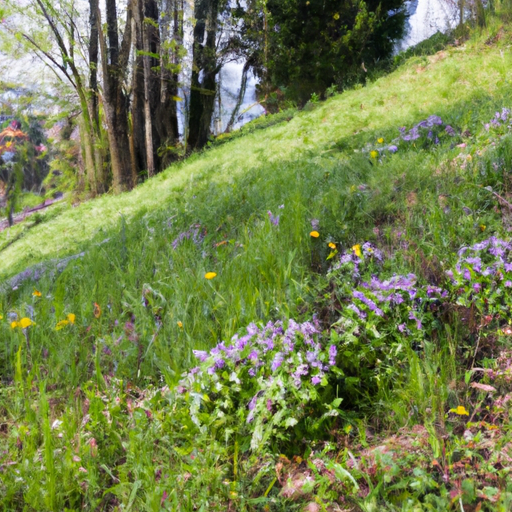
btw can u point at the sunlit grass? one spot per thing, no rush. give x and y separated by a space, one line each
423 85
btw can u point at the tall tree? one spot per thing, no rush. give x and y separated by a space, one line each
114 61
93 50
205 66
51 32
305 46
172 52
158 43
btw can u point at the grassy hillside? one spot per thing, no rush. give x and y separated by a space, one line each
314 316
461 84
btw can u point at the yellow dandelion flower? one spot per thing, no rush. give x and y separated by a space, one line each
60 325
210 275
332 245
381 140
374 154
357 250
36 293
483 227
71 317
180 324
14 325
460 410
314 234
25 322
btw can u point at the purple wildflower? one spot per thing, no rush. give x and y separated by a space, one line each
301 370
277 362
412 316
432 120
268 345
269 405
307 328
193 233
202 355
371 305
253 356
252 403
333 352
397 298
241 343
392 148
252 329
312 358
355 309
274 219
316 379
489 271
476 263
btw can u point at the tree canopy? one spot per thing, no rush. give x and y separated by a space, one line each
131 63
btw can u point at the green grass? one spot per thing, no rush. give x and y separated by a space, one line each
92 416
422 86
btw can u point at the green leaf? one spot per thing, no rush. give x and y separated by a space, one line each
290 422
341 473
336 403
133 494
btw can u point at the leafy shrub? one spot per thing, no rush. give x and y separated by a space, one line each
482 278
265 384
381 320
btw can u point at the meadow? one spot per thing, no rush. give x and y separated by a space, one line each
313 315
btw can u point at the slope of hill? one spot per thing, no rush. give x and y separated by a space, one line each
314 316
444 83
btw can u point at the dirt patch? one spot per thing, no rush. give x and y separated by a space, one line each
438 57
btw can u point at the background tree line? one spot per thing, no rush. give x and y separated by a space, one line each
125 64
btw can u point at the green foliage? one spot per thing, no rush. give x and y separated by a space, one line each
313 45
104 406
268 388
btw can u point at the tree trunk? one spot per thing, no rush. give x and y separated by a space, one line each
204 71
155 82
87 139
142 44
166 114
241 95
461 13
101 184
114 61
